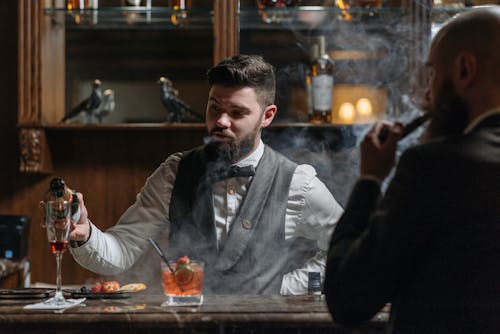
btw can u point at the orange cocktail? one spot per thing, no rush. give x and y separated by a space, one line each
183 285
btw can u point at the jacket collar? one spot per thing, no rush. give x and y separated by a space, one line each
492 113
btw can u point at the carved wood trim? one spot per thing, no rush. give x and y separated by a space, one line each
35 157
36 34
226 22
29 62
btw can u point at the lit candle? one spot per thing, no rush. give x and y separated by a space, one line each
347 112
364 107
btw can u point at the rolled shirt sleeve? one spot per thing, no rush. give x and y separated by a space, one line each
117 249
312 213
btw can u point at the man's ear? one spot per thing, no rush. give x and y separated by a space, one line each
465 69
268 115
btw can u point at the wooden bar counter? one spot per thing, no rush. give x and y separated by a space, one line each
218 314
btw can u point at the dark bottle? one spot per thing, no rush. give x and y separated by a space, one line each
314 283
313 55
322 85
58 191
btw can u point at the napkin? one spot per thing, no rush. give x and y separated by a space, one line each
46 305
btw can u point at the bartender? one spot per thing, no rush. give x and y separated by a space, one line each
259 221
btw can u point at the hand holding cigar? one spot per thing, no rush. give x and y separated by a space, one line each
407 129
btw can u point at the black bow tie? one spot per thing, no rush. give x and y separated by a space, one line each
231 171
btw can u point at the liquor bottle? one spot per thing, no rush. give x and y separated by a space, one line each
82 4
58 191
180 15
322 85
313 55
181 4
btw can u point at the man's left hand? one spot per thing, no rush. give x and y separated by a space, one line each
378 157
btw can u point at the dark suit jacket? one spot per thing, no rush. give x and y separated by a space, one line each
430 246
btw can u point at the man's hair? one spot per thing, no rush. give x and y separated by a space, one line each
246 71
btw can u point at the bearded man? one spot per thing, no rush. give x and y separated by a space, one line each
430 246
259 221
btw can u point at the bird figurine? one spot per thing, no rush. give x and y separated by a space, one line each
177 110
107 105
89 105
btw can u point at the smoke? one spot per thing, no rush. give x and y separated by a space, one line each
372 49
368 47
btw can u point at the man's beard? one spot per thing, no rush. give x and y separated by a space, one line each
449 114
232 151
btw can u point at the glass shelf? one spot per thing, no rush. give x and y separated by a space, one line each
314 17
137 18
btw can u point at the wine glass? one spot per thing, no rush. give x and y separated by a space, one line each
57 223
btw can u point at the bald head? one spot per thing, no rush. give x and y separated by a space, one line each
476 31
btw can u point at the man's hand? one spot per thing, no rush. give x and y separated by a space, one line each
378 158
81 229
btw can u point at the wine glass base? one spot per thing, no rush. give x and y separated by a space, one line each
52 304
60 302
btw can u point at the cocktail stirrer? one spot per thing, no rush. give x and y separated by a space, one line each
158 250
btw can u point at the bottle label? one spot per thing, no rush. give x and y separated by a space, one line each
314 283
322 86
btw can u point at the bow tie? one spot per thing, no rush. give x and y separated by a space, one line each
231 171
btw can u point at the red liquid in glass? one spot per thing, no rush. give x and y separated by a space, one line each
58 246
192 286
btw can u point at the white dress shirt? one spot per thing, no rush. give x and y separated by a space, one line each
312 213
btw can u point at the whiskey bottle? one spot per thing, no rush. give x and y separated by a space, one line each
322 85
180 15
58 191
181 4
313 55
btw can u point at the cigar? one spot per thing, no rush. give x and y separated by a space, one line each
407 129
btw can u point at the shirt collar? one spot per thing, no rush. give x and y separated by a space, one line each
254 158
481 117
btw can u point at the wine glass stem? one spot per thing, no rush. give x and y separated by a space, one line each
59 295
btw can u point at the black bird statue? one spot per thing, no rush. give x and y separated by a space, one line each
89 105
107 105
177 110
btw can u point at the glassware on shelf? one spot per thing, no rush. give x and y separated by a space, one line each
83 11
82 4
135 3
279 14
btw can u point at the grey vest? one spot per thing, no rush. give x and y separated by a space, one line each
255 255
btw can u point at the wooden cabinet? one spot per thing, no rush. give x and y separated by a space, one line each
377 51
128 48
109 162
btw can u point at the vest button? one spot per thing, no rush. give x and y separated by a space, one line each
247 224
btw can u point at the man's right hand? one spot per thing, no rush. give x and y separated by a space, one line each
378 157
81 229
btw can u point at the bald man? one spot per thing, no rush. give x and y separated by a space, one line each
431 245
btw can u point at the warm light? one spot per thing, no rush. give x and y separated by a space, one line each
347 112
343 6
364 107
